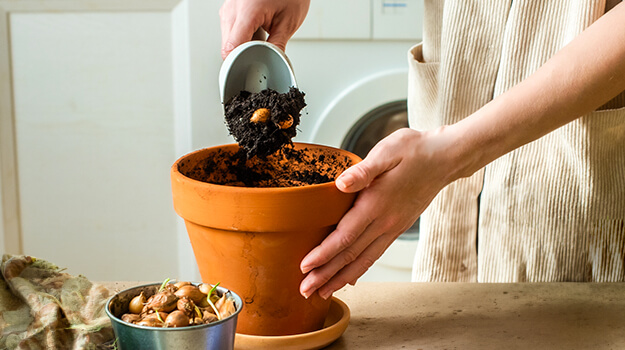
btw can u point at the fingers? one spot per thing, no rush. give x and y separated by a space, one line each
286 22
239 22
279 39
351 249
240 19
362 174
281 30
239 33
348 231
226 18
350 273
335 275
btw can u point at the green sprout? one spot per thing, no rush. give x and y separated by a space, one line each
210 302
164 284
213 289
158 315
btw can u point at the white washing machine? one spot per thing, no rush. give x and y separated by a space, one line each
350 58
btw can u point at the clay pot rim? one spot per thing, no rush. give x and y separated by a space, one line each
216 187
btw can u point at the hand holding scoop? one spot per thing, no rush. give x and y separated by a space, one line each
255 66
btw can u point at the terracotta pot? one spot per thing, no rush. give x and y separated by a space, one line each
252 241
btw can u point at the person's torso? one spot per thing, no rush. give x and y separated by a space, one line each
551 210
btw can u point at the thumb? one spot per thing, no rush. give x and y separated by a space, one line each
279 39
362 174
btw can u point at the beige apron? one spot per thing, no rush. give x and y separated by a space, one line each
552 210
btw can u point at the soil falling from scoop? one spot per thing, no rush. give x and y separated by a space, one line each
261 139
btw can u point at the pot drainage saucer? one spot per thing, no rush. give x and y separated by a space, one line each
335 324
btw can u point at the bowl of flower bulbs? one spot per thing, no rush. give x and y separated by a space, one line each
180 315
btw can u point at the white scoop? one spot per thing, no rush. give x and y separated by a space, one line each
255 66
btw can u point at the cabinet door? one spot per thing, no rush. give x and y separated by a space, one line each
95 106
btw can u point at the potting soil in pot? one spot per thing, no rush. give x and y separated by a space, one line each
262 123
286 168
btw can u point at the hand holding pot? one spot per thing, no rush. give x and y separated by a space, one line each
241 18
397 181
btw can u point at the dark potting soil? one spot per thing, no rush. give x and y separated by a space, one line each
288 167
264 138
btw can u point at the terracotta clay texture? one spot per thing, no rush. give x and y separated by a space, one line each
252 241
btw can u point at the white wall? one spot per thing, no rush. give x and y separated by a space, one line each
208 127
106 96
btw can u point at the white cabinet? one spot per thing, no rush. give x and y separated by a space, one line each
97 100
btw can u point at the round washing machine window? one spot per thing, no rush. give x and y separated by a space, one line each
374 126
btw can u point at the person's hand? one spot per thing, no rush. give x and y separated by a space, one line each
398 179
241 18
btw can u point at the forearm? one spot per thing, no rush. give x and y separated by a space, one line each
581 77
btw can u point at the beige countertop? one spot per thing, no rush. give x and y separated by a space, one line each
481 316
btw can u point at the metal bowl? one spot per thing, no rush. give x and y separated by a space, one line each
215 335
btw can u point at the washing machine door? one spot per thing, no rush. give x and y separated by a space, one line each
357 101
356 120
